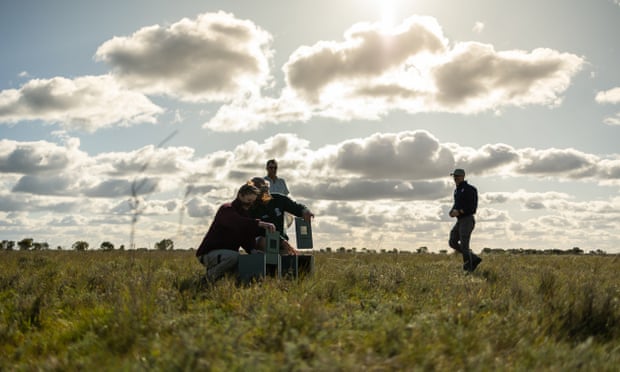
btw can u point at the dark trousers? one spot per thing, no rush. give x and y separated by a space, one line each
460 235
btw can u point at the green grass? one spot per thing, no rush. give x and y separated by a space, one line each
145 311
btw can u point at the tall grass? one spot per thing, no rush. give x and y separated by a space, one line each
147 311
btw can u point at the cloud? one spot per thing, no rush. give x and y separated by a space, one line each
199 207
409 165
168 160
33 157
86 103
551 162
121 187
405 155
477 78
45 185
611 96
368 51
364 189
412 67
478 27
214 57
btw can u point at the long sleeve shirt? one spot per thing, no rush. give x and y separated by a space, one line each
465 199
231 228
278 185
273 211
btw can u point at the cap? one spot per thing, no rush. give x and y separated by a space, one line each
458 172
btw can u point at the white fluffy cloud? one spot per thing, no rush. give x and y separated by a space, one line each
411 67
374 191
86 103
611 96
214 57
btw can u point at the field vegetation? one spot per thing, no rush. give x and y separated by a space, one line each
135 310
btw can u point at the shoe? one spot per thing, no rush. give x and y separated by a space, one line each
475 262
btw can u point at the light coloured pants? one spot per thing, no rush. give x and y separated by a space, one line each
219 262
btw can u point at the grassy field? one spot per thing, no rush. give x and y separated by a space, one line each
144 311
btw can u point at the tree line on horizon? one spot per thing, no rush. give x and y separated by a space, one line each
28 244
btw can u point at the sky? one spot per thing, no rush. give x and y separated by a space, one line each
132 121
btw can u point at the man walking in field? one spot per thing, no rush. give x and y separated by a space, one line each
463 209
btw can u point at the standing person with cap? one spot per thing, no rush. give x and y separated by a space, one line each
463 209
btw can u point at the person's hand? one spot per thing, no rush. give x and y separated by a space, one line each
454 213
308 215
267 226
289 248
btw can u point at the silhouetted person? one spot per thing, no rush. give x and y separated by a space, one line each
276 184
232 227
464 208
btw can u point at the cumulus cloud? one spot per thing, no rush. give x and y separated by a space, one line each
377 69
86 103
405 155
151 159
410 165
33 157
396 182
568 162
45 185
214 57
364 189
611 96
477 78
478 27
122 187
367 52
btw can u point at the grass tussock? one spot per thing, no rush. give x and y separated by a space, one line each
149 311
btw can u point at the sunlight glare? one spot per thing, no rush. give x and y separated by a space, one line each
388 12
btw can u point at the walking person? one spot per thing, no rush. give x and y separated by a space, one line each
463 209
232 227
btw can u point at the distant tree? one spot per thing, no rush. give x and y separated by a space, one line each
577 250
80 245
422 250
107 246
10 245
25 244
122 247
37 246
164 245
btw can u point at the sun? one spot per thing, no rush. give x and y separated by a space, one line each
389 12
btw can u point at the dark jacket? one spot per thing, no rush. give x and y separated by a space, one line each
274 210
465 199
231 228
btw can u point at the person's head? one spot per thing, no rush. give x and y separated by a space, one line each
263 186
272 168
458 175
247 195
